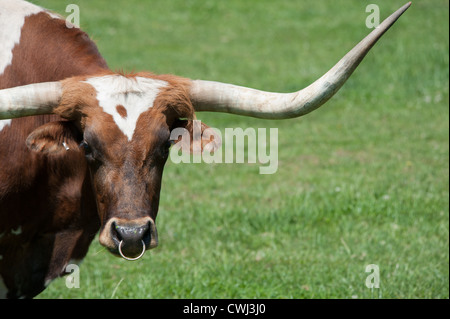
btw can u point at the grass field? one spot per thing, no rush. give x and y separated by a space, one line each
363 180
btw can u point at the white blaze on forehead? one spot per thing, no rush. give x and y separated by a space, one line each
135 94
12 18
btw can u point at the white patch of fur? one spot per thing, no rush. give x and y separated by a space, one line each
136 95
12 18
4 123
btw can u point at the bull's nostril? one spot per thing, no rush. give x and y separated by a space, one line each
115 234
147 235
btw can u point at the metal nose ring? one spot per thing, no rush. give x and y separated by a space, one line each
129 258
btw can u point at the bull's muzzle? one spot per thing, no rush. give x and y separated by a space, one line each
129 238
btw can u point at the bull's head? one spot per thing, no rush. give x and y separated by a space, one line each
123 124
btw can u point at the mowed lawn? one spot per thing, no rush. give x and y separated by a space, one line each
362 181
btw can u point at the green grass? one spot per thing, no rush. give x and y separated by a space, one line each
363 180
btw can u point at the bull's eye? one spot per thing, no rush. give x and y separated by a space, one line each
85 147
87 151
91 156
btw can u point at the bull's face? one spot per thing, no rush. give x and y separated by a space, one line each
126 176
124 125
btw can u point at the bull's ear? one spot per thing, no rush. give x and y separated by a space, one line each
194 136
54 138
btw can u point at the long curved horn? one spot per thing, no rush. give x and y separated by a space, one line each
228 98
32 99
